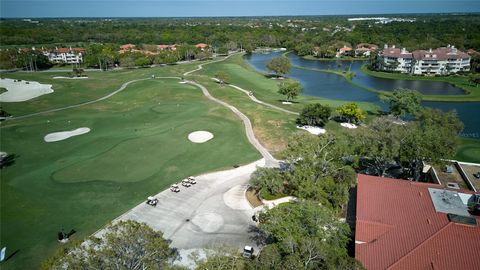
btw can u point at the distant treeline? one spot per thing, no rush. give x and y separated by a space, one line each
297 33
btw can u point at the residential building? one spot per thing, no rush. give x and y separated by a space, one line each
201 46
365 49
65 55
162 47
404 224
440 61
343 50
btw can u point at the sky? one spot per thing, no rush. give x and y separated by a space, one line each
203 8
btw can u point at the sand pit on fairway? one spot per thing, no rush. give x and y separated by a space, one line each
63 135
200 136
22 90
313 130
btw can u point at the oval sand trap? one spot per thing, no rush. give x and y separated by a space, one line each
63 135
23 90
200 136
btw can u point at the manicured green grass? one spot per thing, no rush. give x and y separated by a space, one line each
137 147
472 92
469 150
70 92
272 127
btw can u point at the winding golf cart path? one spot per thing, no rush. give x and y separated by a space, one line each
270 161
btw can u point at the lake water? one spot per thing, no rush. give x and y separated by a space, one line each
332 86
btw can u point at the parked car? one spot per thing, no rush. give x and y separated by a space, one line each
477 175
247 252
186 184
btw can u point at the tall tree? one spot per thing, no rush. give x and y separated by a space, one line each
125 245
351 112
314 115
306 236
280 65
290 89
403 101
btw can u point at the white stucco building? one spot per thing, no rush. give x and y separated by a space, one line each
440 61
65 55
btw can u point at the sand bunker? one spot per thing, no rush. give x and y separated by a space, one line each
313 130
200 136
63 135
22 90
348 125
286 102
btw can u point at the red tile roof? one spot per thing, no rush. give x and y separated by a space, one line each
201 45
127 46
397 227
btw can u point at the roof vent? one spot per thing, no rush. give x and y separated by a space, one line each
462 219
393 46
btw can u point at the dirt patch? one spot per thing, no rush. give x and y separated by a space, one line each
252 197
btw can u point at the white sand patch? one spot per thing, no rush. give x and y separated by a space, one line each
200 136
348 125
313 130
182 82
70 78
63 135
286 102
23 90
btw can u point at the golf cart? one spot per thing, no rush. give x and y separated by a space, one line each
174 188
247 252
191 180
152 201
186 183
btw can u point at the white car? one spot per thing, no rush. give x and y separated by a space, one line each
186 184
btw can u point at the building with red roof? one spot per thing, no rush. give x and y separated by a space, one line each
343 50
440 61
402 224
201 46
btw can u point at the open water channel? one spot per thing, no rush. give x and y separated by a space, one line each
331 86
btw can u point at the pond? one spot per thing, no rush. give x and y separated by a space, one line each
332 86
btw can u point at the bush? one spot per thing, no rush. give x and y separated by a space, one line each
314 115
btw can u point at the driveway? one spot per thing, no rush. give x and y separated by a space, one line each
208 215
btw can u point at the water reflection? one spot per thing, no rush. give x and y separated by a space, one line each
331 86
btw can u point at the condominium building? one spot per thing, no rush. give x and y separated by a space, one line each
440 61
65 55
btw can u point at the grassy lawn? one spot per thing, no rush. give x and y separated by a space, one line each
273 128
137 146
473 92
70 92
469 150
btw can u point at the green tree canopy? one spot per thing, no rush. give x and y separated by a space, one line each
305 236
314 115
125 245
351 112
290 89
222 77
403 101
280 65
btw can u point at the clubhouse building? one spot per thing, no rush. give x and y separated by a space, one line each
440 61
